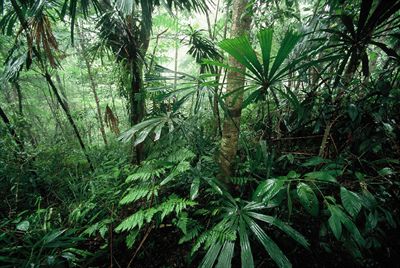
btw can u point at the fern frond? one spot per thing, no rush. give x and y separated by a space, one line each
146 173
176 204
241 181
135 220
219 233
200 241
134 195
191 232
181 155
178 170
190 227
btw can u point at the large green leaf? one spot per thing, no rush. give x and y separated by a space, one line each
286 47
241 49
335 225
245 250
350 226
267 189
226 255
299 238
273 250
265 39
308 198
211 255
351 201
322 175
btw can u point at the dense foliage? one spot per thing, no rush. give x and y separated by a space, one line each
185 133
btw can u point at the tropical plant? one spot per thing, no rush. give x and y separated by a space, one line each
375 20
265 74
239 220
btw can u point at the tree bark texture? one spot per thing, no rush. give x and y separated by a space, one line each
241 21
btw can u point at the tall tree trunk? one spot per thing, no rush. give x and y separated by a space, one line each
50 81
58 124
69 117
62 89
11 130
137 106
136 96
19 95
235 82
93 85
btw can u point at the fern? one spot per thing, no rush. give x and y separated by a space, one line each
241 181
146 172
189 227
173 204
178 170
201 240
220 233
135 220
181 155
134 195
139 193
193 229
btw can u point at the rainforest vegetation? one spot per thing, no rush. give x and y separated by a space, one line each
199 133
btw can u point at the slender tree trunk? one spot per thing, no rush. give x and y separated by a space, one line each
11 130
50 81
62 89
69 117
231 126
176 54
19 95
93 85
55 114
137 106
136 96
217 123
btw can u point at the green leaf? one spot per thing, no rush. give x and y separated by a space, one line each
241 49
194 188
353 112
335 225
211 255
386 171
137 219
286 47
226 255
372 220
295 235
314 161
265 39
246 255
23 226
131 238
267 189
351 201
323 175
273 250
350 226
308 198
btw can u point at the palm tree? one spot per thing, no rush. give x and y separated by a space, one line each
126 29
